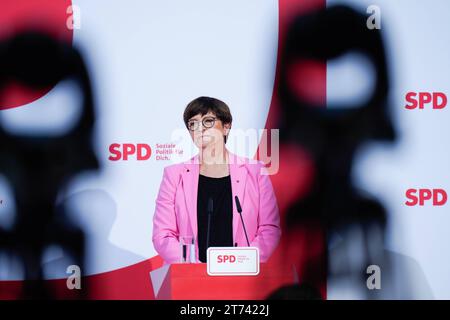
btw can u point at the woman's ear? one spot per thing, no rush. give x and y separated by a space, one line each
227 128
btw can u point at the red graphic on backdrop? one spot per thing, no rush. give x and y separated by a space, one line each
16 16
422 100
436 197
139 151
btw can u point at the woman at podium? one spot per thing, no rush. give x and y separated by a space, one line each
216 198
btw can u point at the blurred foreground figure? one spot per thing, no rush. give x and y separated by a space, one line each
38 166
331 135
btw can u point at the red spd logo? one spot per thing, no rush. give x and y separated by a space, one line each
438 197
420 100
226 258
140 151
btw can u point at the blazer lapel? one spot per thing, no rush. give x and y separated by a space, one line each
238 176
190 187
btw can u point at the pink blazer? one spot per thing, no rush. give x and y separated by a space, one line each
176 208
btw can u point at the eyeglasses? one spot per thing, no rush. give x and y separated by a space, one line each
206 122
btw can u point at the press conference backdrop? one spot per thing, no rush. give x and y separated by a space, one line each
148 59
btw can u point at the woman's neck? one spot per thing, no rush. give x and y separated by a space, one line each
214 155
214 162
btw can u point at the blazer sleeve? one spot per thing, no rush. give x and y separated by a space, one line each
165 230
269 230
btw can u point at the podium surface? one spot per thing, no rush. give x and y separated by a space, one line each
191 282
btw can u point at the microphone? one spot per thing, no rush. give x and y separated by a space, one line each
239 209
210 213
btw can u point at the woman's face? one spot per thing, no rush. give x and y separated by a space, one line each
208 130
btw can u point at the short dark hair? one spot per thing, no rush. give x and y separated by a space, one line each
202 105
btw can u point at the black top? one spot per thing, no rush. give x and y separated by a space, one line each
221 227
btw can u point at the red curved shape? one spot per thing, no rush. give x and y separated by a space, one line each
305 247
48 16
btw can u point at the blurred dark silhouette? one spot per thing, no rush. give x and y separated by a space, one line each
96 211
332 134
302 291
37 167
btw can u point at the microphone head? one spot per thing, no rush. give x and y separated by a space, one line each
238 204
210 206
